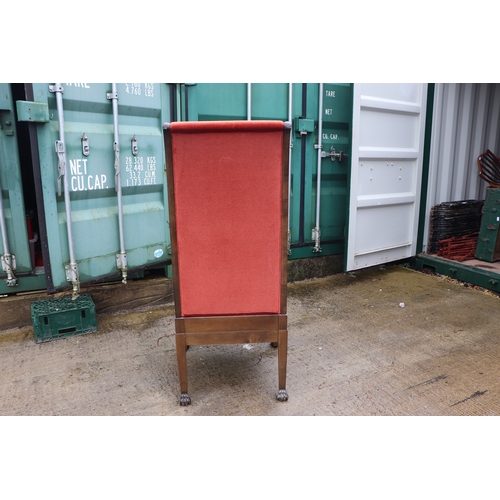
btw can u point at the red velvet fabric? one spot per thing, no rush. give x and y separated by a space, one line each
228 202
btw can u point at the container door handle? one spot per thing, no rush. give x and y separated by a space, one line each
333 155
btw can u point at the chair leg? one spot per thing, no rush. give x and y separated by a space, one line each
282 359
180 345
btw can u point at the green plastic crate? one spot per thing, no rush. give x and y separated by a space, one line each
63 317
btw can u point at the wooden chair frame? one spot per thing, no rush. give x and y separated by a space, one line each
232 329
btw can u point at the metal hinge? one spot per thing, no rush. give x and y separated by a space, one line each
9 266
61 165
56 88
73 278
121 265
30 111
316 237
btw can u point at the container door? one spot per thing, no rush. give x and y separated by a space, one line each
299 103
15 255
335 166
386 172
91 166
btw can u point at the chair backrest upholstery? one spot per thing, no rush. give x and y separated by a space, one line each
228 211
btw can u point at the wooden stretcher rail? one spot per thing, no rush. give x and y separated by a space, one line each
230 323
236 337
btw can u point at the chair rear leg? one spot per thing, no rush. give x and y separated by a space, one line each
180 345
282 360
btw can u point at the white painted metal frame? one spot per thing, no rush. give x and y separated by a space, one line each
386 172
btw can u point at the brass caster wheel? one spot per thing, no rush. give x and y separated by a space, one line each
282 395
184 400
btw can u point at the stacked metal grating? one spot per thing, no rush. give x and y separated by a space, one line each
453 219
458 248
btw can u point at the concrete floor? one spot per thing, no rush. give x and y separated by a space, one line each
382 341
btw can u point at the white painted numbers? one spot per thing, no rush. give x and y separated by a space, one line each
133 88
130 88
134 166
136 89
140 174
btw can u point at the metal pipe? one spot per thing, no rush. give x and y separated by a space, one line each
178 101
121 258
316 233
3 227
302 168
289 166
72 268
249 101
8 260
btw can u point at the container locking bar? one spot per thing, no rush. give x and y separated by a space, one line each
72 268
316 232
289 242
121 258
8 260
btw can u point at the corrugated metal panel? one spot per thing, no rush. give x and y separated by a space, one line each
465 122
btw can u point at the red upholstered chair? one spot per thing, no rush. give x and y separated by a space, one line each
228 205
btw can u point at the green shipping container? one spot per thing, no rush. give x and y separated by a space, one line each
102 196
300 104
17 238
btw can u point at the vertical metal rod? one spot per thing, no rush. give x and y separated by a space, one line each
302 183
289 167
5 240
249 101
7 259
319 146
72 270
121 258
178 101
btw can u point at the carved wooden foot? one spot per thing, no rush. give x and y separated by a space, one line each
184 400
282 395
